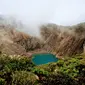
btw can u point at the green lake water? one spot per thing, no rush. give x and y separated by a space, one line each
39 59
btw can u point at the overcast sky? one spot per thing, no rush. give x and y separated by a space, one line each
34 12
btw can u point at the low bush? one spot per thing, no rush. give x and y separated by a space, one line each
59 79
40 72
70 71
2 81
19 70
10 64
23 78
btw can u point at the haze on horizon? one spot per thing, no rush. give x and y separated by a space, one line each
36 12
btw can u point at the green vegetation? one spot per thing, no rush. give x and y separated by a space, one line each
2 81
23 78
19 70
70 71
12 67
62 41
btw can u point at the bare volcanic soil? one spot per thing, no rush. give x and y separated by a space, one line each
64 40
14 42
59 40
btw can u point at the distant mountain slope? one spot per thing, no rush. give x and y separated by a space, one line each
15 42
7 44
63 40
59 40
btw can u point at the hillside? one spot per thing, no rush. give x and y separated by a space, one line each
64 40
15 42
59 40
20 70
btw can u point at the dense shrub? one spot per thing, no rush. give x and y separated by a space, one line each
23 78
70 71
4 59
69 67
15 62
40 72
19 70
10 64
2 81
59 79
